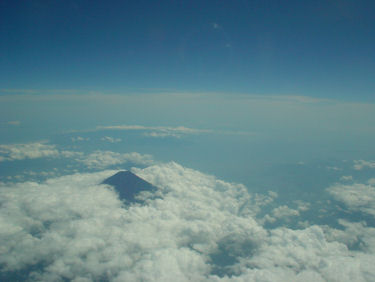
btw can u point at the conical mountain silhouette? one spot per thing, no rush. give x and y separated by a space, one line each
128 185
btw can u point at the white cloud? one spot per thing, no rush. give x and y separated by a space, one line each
111 139
95 160
335 168
354 234
36 150
103 159
302 206
78 229
360 164
346 178
70 154
28 151
168 131
157 134
79 138
158 131
357 197
282 212
306 255
199 227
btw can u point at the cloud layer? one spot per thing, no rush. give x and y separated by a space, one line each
361 164
35 150
199 229
94 160
157 131
102 159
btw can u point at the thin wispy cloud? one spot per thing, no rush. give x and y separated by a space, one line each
79 139
346 178
14 122
111 139
169 131
158 131
178 129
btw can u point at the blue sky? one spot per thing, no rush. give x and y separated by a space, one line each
309 48
288 80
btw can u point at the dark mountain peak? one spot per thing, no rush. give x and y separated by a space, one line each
123 173
128 185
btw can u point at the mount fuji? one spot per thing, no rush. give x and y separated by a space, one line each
128 185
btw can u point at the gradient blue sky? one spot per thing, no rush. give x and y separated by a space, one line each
310 48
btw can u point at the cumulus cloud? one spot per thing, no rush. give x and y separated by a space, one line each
36 150
282 212
360 164
95 160
199 229
102 159
346 178
27 151
357 197
13 152
356 235
28 175
306 255
302 206
76 229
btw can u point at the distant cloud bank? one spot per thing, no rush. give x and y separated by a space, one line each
111 139
104 159
157 131
36 150
168 131
94 160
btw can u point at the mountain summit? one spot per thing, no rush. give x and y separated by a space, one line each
128 185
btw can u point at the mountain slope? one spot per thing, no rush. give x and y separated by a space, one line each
128 185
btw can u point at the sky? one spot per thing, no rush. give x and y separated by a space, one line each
254 120
309 48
